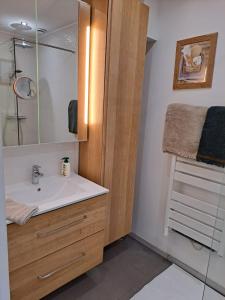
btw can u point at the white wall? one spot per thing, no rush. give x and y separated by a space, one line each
19 160
153 28
4 277
176 20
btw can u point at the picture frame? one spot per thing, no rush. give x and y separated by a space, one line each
194 63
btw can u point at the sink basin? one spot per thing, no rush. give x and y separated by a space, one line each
54 192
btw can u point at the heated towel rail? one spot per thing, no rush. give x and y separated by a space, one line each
193 216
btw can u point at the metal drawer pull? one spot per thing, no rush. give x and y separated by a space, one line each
45 234
46 276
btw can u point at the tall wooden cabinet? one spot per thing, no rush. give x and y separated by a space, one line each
109 155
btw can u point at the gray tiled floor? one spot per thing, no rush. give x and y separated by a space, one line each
127 267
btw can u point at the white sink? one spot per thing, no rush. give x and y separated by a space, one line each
54 192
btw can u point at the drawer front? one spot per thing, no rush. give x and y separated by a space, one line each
40 278
52 231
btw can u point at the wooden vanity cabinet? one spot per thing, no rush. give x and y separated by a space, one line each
55 247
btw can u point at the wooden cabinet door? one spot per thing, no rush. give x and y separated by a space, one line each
127 36
45 275
109 156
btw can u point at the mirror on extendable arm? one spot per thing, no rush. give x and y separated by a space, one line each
24 88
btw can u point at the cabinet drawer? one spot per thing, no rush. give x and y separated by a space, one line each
52 231
41 277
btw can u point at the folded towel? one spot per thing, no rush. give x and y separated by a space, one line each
212 144
72 116
19 213
183 127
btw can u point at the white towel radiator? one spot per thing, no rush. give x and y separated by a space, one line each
193 216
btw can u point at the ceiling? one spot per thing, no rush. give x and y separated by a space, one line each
52 14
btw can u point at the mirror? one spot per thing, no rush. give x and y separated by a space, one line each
40 41
24 88
57 49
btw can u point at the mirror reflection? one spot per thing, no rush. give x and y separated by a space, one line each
57 60
38 71
19 117
24 88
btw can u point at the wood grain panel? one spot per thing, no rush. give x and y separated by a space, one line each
91 152
109 156
38 279
52 231
126 55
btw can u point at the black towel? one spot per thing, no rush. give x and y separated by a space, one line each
72 116
212 144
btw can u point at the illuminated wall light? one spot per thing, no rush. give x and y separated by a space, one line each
94 77
87 63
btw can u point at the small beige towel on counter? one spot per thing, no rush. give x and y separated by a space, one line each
183 129
19 213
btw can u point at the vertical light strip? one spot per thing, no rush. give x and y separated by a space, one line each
37 72
87 62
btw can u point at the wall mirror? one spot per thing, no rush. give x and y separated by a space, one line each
44 71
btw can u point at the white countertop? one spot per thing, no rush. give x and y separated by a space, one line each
54 192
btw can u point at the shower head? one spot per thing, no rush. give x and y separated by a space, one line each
22 26
23 44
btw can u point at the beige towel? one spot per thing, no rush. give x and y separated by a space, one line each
183 129
19 213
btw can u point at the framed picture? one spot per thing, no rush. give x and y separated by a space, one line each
194 64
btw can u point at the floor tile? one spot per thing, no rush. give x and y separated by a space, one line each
128 266
176 284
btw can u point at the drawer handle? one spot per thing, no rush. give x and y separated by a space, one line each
74 260
47 233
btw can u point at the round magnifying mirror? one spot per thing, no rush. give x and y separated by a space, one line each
24 88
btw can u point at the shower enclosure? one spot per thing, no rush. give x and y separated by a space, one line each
24 56
19 124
